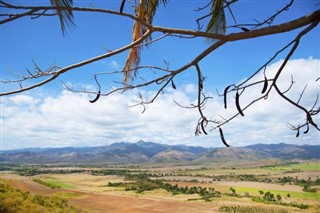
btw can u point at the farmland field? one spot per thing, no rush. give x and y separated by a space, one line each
278 187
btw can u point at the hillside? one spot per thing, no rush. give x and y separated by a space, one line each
149 152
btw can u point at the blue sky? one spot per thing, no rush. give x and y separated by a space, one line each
51 117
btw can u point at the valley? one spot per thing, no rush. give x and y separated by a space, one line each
235 186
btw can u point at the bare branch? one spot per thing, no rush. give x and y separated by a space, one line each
163 76
300 96
268 21
297 40
65 69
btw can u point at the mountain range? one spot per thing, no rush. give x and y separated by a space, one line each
149 152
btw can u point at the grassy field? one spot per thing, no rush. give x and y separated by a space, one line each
299 195
178 188
256 170
67 195
304 166
250 209
53 183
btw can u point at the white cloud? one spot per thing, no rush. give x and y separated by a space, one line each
266 121
23 100
70 120
190 88
114 65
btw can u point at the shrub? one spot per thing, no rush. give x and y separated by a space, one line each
250 209
13 200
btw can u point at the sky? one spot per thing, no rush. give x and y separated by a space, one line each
50 116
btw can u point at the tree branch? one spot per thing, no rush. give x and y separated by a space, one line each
309 22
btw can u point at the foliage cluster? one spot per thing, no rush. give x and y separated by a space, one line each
34 170
269 197
250 209
234 177
120 172
141 182
306 184
14 200
293 166
232 192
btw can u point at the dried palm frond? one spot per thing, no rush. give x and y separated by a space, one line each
145 11
217 23
133 58
152 7
65 15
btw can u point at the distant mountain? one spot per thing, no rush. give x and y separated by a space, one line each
288 151
149 152
233 153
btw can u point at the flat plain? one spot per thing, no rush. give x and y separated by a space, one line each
177 188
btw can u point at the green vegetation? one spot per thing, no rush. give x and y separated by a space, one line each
142 182
294 166
120 172
283 193
13 200
306 184
197 183
250 209
269 197
240 172
138 183
34 170
67 195
53 183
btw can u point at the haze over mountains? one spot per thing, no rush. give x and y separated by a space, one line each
149 152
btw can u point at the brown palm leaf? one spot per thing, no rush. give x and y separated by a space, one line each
63 8
217 23
134 54
145 11
152 7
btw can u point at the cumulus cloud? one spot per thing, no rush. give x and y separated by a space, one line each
70 120
266 121
114 65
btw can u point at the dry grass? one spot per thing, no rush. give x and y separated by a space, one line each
93 194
